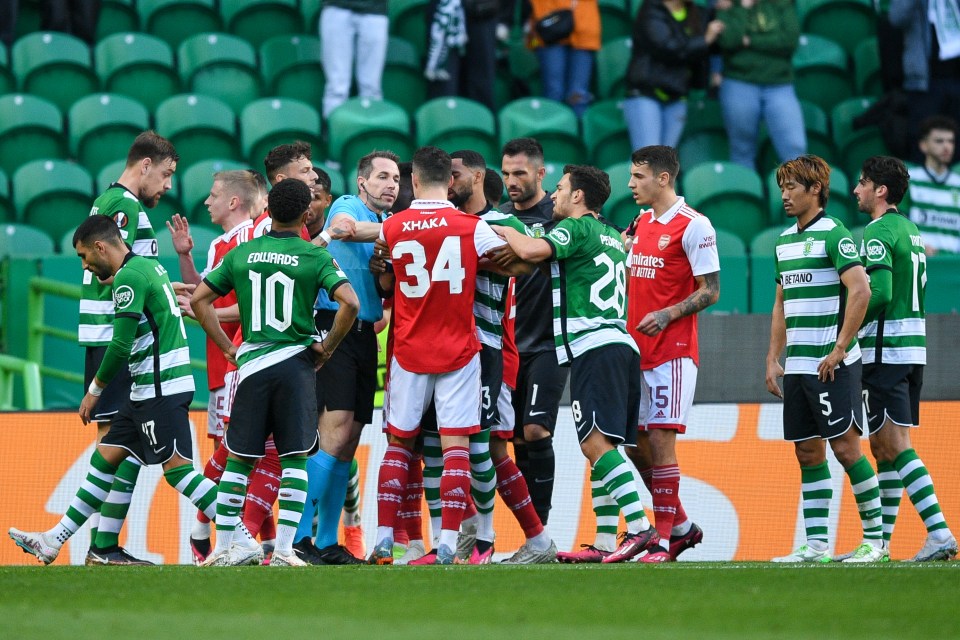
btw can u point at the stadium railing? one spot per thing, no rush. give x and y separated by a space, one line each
32 388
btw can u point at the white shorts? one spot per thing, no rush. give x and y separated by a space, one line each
456 395
215 405
231 380
504 429
667 395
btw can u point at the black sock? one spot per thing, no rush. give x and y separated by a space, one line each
541 466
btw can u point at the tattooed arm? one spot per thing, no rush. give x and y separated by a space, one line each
707 293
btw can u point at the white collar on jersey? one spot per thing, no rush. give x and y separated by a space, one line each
669 213
431 205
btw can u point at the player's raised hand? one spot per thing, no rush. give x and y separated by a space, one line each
774 373
180 234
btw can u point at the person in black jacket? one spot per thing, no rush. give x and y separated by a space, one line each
671 39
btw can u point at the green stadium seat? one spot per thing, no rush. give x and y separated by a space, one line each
524 71
734 274
855 145
168 205
620 208
31 128
55 66
220 65
605 133
28 17
311 14
256 21
195 186
403 82
821 72
612 61
457 123
337 186
52 195
177 20
200 127
102 126
729 194
866 67
291 67
117 16
943 284
268 122
127 63
704 136
552 123
819 141
361 125
763 270
846 22
7 212
408 19
615 19
8 83
22 241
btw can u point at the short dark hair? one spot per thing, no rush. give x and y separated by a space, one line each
659 158
405 188
431 166
288 200
889 172
944 123
282 155
151 144
807 170
323 179
97 228
470 159
594 183
525 146
492 187
365 164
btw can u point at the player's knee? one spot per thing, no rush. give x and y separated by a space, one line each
534 432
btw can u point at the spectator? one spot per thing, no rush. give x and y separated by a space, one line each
931 59
76 17
354 38
935 189
467 70
566 66
8 21
670 43
757 46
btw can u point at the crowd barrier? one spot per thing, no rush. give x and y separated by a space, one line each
740 482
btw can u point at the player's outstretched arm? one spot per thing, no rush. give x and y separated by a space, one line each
778 340
183 244
206 315
528 249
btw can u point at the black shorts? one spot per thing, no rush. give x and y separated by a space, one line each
348 381
540 383
491 379
115 395
605 388
153 430
814 409
280 400
892 392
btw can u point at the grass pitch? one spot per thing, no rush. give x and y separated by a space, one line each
678 601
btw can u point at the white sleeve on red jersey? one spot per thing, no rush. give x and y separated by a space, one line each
485 238
211 256
700 245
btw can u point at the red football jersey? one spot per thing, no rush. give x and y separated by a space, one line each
666 255
216 361
435 250
511 359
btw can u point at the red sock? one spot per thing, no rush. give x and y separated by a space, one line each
262 491
471 509
410 516
213 470
268 528
390 484
454 487
666 497
513 490
647 476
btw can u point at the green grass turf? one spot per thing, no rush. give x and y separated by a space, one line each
680 601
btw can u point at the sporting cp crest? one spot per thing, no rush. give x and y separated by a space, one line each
664 241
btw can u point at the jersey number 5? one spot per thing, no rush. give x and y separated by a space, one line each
448 267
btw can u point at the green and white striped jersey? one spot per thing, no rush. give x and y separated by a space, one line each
898 335
809 264
589 274
159 360
490 300
276 277
935 208
96 302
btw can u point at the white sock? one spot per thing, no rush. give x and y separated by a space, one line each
540 542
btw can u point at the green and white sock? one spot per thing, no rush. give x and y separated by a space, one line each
817 492
617 478
231 494
114 509
351 504
432 470
866 491
891 491
607 513
87 501
919 485
483 483
199 490
292 496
